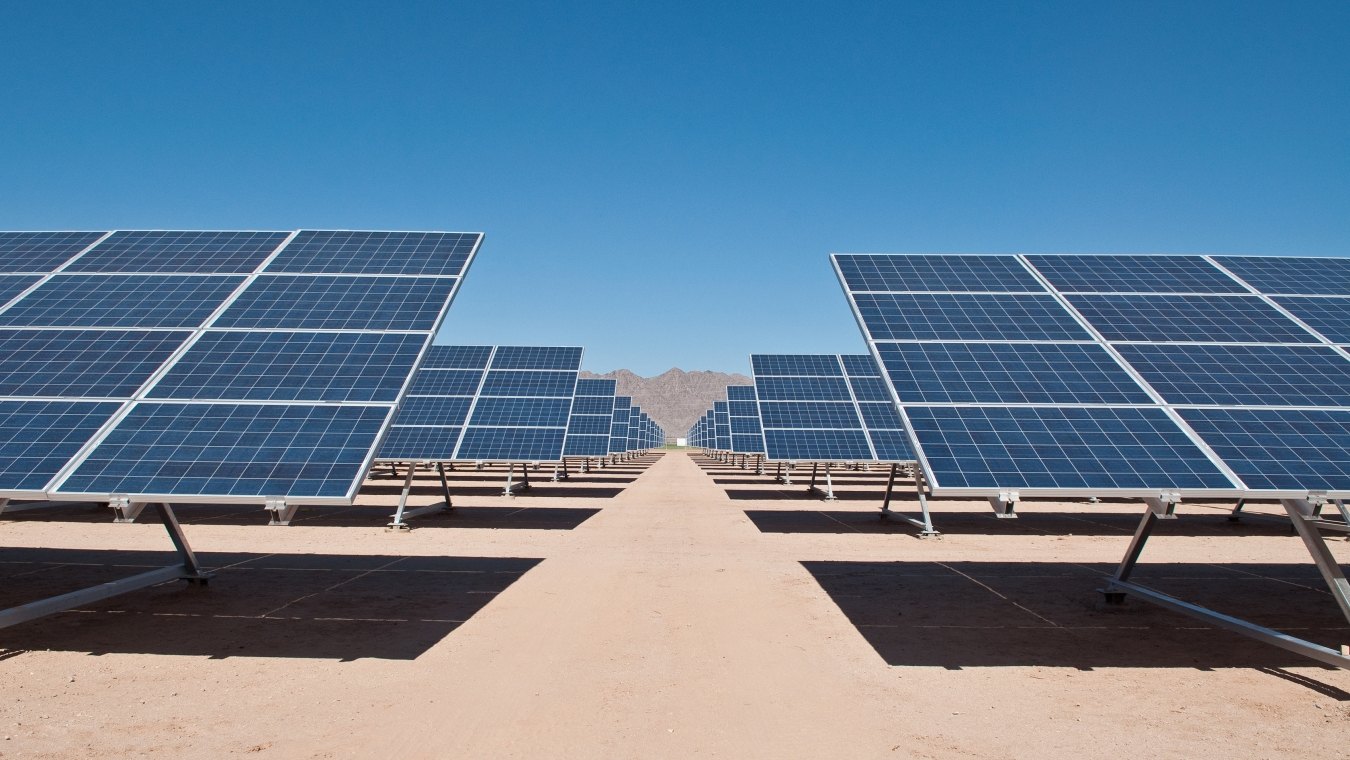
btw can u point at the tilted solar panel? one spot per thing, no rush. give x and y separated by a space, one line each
588 430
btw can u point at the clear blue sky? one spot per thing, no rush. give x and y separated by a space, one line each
663 184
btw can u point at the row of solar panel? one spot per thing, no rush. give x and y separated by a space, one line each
1217 374
210 365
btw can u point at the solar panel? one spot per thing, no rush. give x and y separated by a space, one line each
505 415
820 417
356 252
1194 383
13 285
722 425
618 431
747 435
866 273
966 316
588 430
121 375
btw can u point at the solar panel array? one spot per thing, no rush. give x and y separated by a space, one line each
487 403
721 426
827 407
588 430
618 431
1115 374
207 365
747 437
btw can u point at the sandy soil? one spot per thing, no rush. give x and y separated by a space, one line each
671 607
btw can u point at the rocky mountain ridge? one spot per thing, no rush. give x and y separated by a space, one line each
675 399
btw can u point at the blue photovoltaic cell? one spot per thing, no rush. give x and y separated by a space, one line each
432 410
41 251
802 389
961 316
603 405
586 445
1328 316
824 365
740 393
511 443
180 251
746 443
533 412
744 425
293 367
871 273
1244 375
743 408
457 357
818 445
596 387
12 285
809 414
869 388
527 383
346 252
1288 275
891 445
1134 274
137 300
879 416
1225 319
589 424
339 303
1008 373
247 450
101 363
1075 448
412 443
38 438
1279 449
448 382
537 357
860 365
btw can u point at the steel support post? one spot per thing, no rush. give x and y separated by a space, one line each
1236 514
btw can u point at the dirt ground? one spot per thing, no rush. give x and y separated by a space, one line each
669 607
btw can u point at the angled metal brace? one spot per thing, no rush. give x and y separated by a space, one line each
1005 505
282 513
124 510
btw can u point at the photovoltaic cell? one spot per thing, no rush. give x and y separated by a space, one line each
12 285
407 253
1133 274
802 389
873 273
817 445
325 303
1244 375
81 363
433 410
1073 373
527 383
287 366
1280 449
523 412
1288 275
406 442
38 438
1230 319
1093 449
511 443
180 251
537 357
135 300
41 251
811 414
457 357
448 382
594 405
803 365
1328 316
962 316
232 450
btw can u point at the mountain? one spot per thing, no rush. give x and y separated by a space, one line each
675 399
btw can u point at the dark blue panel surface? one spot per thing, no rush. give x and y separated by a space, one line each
14 284
742 408
746 443
795 364
85 300
293 367
899 272
428 443
180 251
1279 449
1328 316
593 405
542 412
740 393
1134 274
595 387
809 414
802 389
891 445
247 450
1225 319
537 357
339 303
81 362
423 410
744 425
356 252
41 251
447 382
1244 375
869 389
526 383
511 443
1289 275
457 357
860 365
589 424
1008 373
881 416
1044 447
968 317
817 445
38 438
586 445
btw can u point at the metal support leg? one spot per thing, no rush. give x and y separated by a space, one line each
925 523
510 471
282 513
3 503
828 493
125 511
1005 505
1236 514
1303 514
397 522
890 487
445 484
812 485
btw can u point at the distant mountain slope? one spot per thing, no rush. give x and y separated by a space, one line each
674 398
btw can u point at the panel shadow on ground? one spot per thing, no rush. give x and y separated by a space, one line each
313 606
998 614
